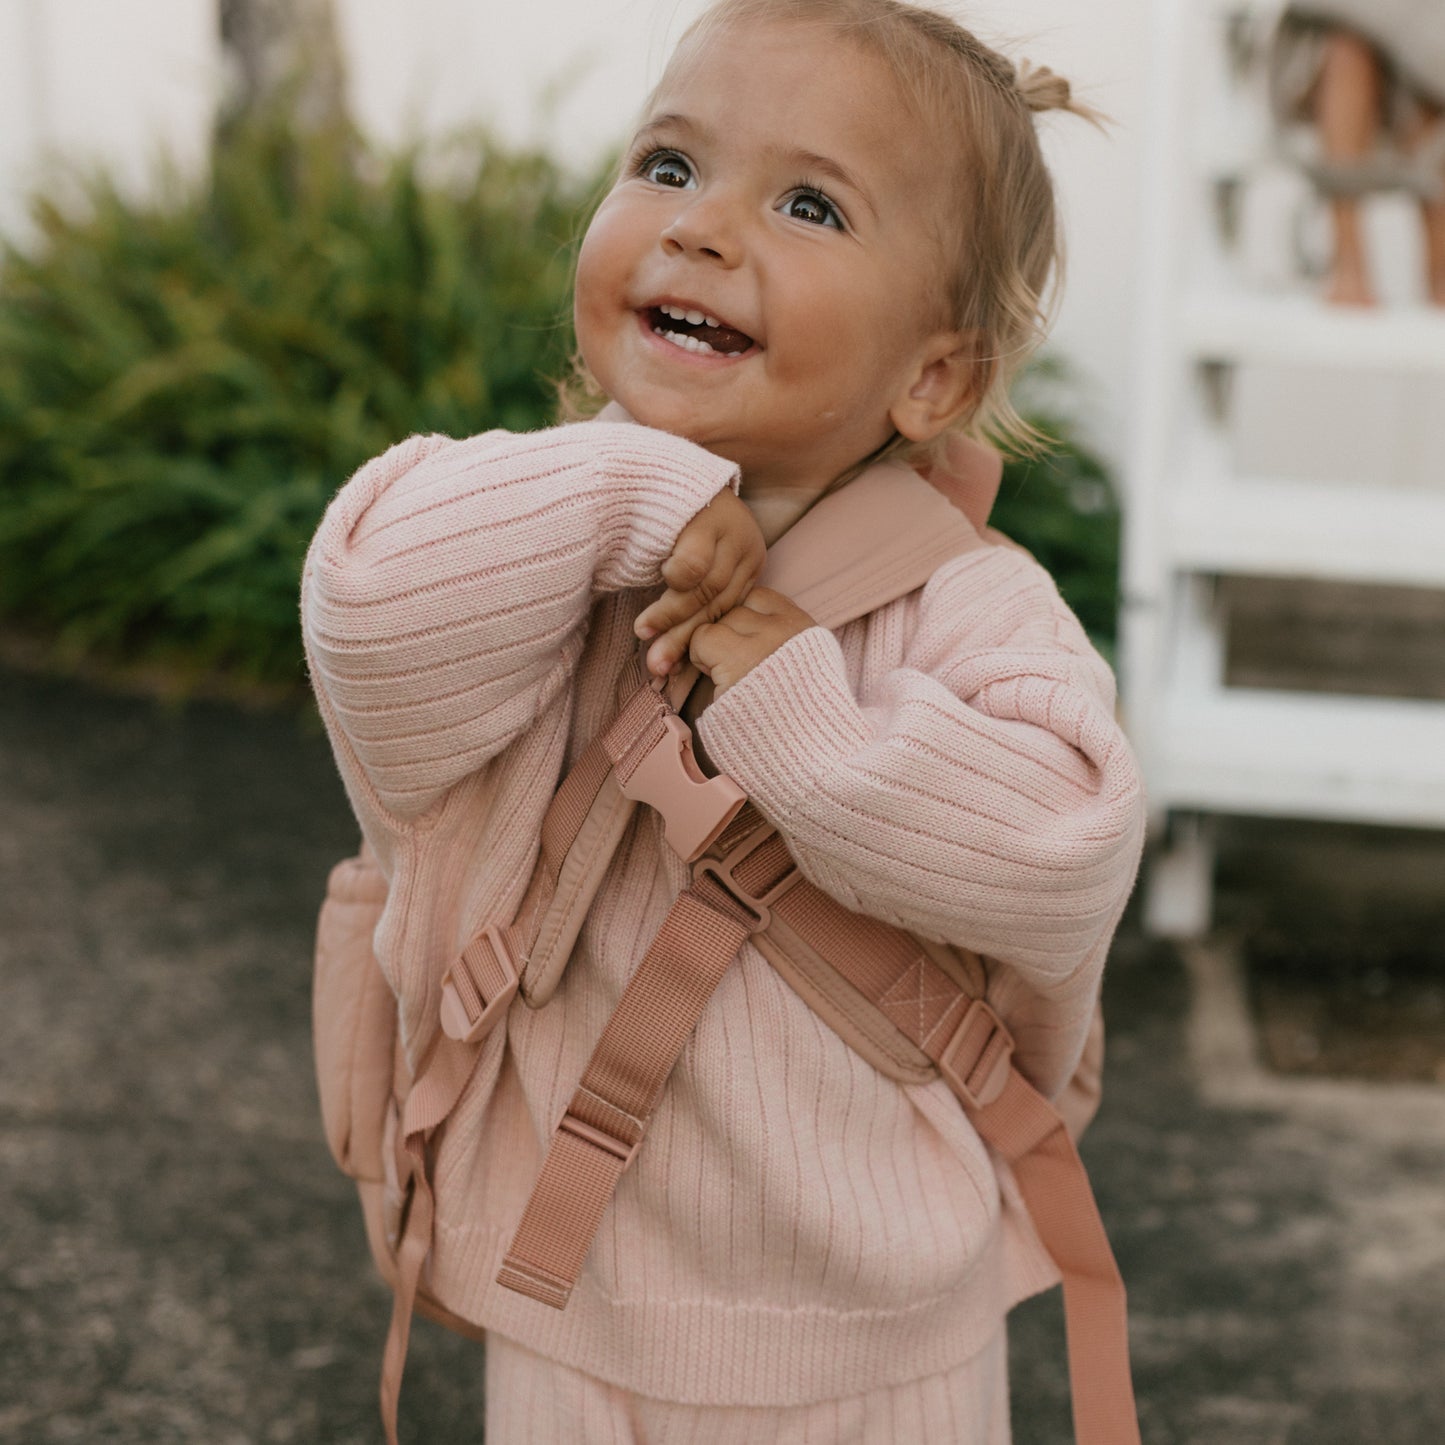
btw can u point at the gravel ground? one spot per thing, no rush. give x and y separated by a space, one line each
181 1263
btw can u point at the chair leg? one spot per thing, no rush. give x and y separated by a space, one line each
1179 893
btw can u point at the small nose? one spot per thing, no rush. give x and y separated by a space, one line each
705 229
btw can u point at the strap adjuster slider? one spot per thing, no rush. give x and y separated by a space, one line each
722 871
975 1062
478 987
599 1138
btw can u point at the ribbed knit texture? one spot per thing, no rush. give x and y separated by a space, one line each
796 1227
543 1403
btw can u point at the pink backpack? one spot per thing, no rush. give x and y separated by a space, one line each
914 1009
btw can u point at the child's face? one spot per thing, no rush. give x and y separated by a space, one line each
782 187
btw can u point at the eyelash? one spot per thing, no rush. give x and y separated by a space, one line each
833 217
648 159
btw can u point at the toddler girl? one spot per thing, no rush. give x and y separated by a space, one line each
828 243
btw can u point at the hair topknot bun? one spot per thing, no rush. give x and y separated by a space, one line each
1040 89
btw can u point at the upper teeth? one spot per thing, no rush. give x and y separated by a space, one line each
693 318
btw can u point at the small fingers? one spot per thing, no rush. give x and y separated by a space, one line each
766 601
711 570
668 611
671 646
667 652
692 560
724 586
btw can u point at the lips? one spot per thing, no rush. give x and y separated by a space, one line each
693 329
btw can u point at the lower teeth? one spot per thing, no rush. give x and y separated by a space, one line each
691 343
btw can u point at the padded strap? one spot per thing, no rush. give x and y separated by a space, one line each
876 539
600 1131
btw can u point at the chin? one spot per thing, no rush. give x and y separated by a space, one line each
670 414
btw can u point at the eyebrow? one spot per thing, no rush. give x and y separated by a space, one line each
807 161
812 163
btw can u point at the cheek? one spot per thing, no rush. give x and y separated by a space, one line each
610 246
592 268
595 291
849 364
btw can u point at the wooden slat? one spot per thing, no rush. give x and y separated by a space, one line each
1283 528
1299 331
1280 754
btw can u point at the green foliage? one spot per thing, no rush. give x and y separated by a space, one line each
1062 507
184 383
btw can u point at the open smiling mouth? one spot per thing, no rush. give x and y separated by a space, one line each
697 332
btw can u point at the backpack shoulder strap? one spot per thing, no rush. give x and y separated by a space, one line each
857 549
877 539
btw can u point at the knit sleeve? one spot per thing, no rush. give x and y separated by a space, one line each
446 593
980 794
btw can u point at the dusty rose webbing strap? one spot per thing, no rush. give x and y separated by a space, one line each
568 809
1024 1127
608 1115
932 1010
639 718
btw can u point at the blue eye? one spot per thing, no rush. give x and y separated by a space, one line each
813 207
666 168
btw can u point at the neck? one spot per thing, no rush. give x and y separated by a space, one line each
776 496
777 507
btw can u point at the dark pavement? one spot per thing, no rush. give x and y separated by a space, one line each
180 1261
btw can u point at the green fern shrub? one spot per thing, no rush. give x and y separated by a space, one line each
1062 505
185 383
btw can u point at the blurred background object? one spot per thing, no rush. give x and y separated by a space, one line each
189 370
284 51
1278 439
1369 76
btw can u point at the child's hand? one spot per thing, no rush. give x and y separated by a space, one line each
713 564
738 641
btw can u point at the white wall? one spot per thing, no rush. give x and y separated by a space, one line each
100 82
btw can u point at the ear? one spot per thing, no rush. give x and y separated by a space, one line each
948 377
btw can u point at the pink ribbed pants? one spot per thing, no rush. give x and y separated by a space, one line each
534 1401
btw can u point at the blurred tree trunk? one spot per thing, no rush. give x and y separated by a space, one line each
283 53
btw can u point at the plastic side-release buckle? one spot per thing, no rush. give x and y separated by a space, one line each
694 807
722 870
975 1062
478 988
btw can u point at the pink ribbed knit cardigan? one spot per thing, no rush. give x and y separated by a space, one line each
796 1226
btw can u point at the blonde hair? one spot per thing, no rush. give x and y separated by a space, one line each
1002 239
